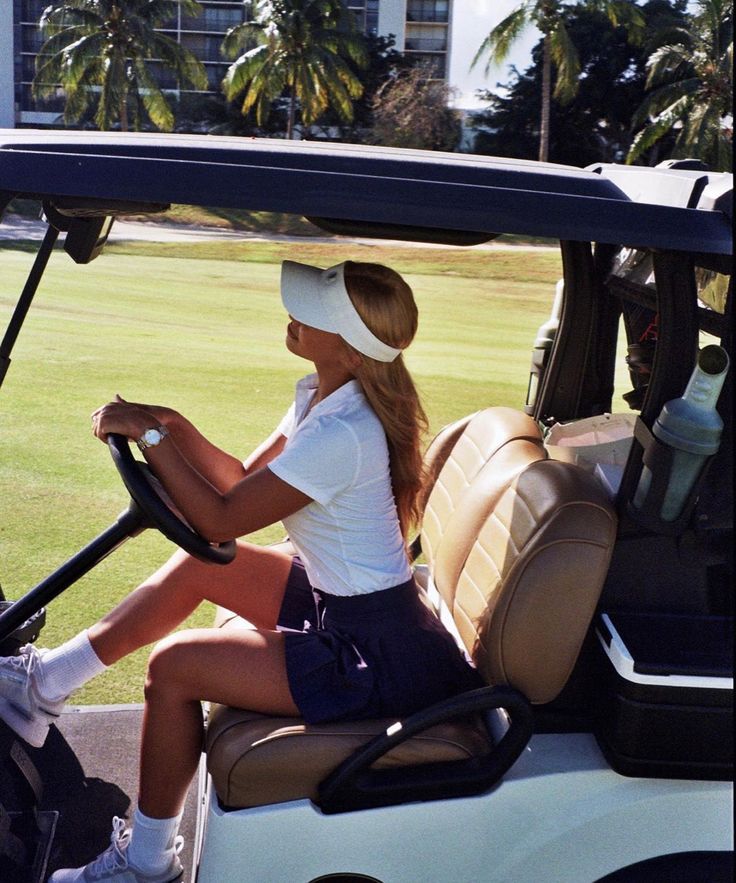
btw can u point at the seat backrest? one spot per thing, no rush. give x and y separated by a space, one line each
518 547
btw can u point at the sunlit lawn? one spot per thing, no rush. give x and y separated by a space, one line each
204 333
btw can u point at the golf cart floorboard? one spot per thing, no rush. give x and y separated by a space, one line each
89 770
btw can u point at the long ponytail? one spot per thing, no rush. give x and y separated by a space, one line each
386 304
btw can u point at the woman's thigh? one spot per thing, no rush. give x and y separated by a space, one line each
245 669
252 585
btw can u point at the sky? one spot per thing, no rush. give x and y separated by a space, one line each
472 20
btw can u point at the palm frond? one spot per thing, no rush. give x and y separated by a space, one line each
625 13
78 56
61 40
567 62
113 94
661 99
262 107
264 89
267 83
337 71
337 91
243 69
180 60
240 37
699 129
497 44
46 82
667 63
58 18
156 105
657 128
77 102
308 90
645 139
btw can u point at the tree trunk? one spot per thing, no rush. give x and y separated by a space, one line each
120 76
292 115
123 111
546 101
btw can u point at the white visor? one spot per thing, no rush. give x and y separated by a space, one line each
320 299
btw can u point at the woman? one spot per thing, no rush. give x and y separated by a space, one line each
340 631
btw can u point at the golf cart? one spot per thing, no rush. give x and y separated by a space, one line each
583 558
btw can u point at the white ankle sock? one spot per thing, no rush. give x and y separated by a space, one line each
68 667
152 842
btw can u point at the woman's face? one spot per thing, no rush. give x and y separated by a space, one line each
320 347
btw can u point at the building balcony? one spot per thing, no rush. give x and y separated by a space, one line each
428 11
53 105
214 19
425 44
30 10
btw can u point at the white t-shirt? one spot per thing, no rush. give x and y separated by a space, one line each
348 537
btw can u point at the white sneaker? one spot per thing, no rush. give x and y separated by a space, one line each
22 707
113 864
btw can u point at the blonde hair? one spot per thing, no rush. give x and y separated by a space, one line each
386 304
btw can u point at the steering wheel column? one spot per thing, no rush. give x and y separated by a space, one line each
128 524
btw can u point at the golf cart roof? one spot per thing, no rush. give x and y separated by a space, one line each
373 191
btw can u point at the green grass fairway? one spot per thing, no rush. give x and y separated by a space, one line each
201 328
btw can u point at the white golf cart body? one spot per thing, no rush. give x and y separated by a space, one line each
593 791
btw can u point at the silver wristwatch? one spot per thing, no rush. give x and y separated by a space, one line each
152 437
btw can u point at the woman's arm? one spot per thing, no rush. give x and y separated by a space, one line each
257 500
265 452
220 468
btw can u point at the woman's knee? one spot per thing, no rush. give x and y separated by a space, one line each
166 664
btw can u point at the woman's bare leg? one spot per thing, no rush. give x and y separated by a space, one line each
252 585
246 669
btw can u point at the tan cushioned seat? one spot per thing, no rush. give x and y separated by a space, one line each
256 759
518 547
482 442
527 590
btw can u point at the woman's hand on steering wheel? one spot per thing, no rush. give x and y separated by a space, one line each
123 418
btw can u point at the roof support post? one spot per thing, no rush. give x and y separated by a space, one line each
25 300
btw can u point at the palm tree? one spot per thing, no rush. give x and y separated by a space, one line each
550 17
99 50
301 47
692 83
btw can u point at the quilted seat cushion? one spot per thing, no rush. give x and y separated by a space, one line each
256 759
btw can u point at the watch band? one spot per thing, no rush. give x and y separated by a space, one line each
152 437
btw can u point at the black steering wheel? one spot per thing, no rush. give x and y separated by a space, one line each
149 495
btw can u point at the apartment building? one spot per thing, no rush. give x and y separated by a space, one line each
421 28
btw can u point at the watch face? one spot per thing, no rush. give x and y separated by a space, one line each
152 436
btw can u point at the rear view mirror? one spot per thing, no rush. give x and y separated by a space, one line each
87 223
85 236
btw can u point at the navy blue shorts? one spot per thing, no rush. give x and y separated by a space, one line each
384 654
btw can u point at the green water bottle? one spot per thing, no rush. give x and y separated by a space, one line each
692 427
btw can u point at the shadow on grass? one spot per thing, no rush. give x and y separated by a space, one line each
30 246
